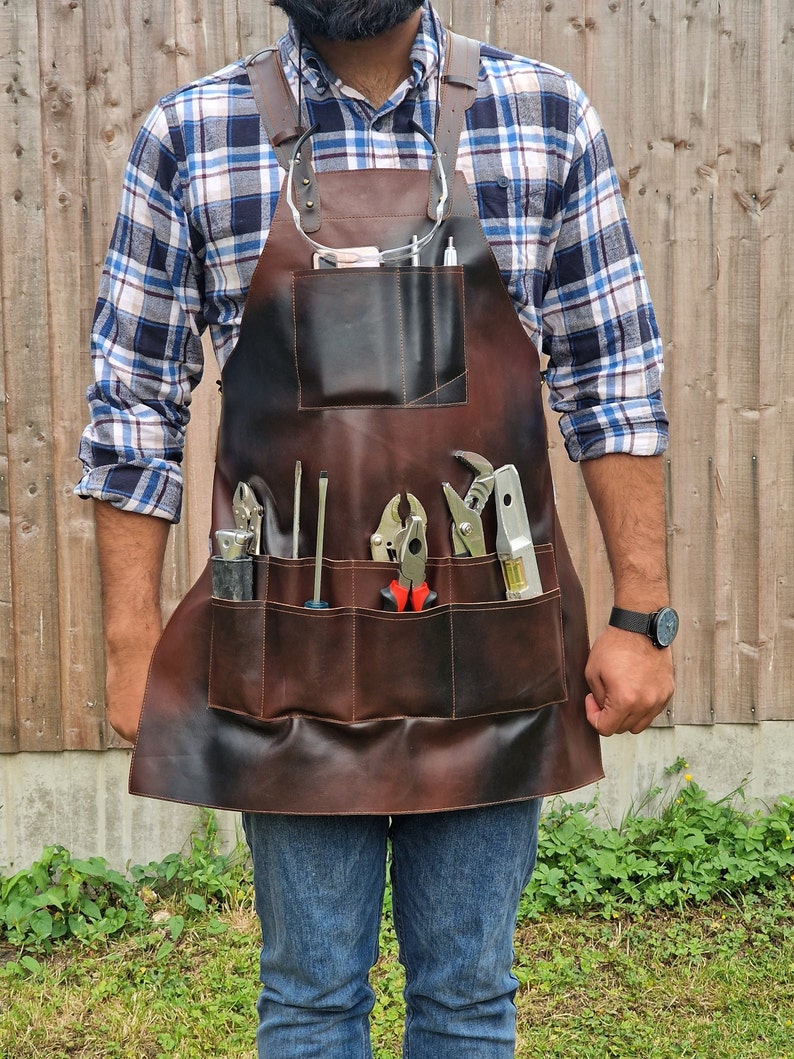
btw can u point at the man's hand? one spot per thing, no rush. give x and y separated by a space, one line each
630 681
131 549
125 684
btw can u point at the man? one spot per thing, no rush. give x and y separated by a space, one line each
378 344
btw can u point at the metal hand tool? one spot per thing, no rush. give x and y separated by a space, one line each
514 546
467 531
315 603
410 587
233 569
248 514
296 511
382 543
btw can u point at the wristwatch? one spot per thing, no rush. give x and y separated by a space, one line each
660 627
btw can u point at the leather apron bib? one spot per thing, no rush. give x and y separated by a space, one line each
378 376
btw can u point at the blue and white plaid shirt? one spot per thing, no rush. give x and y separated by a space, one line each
199 193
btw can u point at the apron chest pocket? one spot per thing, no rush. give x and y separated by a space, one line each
380 337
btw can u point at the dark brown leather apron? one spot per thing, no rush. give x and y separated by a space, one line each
377 376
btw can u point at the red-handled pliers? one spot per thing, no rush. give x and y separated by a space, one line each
409 590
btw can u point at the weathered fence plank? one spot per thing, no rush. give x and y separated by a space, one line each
776 373
517 27
28 391
63 106
8 715
737 358
690 325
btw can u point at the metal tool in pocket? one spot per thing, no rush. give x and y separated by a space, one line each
514 546
467 531
404 543
409 590
233 569
248 514
383 542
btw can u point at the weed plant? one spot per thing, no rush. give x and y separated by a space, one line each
693 851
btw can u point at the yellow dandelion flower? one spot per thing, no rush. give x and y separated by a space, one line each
688 777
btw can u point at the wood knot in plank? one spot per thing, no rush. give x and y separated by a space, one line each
754 203
173 47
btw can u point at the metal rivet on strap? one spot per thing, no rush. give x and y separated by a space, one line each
309 204
306 181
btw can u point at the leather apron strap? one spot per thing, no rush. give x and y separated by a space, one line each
459 82
279 112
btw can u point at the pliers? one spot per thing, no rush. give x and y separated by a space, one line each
410 587
406 544
248 513
383 542
467 531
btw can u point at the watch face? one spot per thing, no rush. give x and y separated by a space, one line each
666 626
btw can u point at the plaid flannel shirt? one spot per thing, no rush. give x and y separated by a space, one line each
199 193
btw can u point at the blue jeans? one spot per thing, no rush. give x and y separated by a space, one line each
456 881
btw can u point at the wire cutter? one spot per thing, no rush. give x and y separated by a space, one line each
409 590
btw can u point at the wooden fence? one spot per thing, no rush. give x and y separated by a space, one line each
698 99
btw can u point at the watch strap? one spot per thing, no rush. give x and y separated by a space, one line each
631 620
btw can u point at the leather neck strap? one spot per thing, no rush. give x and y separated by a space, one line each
280 117
279 113
459 87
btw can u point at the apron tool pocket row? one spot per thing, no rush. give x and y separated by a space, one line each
380 337
272 658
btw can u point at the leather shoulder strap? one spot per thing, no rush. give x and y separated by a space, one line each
459 88
279 113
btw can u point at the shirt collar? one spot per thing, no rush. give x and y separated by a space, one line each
426 55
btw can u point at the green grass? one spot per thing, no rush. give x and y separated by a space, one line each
712 982
668 936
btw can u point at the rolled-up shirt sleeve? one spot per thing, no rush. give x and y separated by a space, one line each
145 339
599 330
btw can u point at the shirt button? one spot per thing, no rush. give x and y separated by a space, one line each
502 180
377 124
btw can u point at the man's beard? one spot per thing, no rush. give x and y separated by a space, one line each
347 19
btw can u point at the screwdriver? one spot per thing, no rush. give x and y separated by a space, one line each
315 603
296 511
